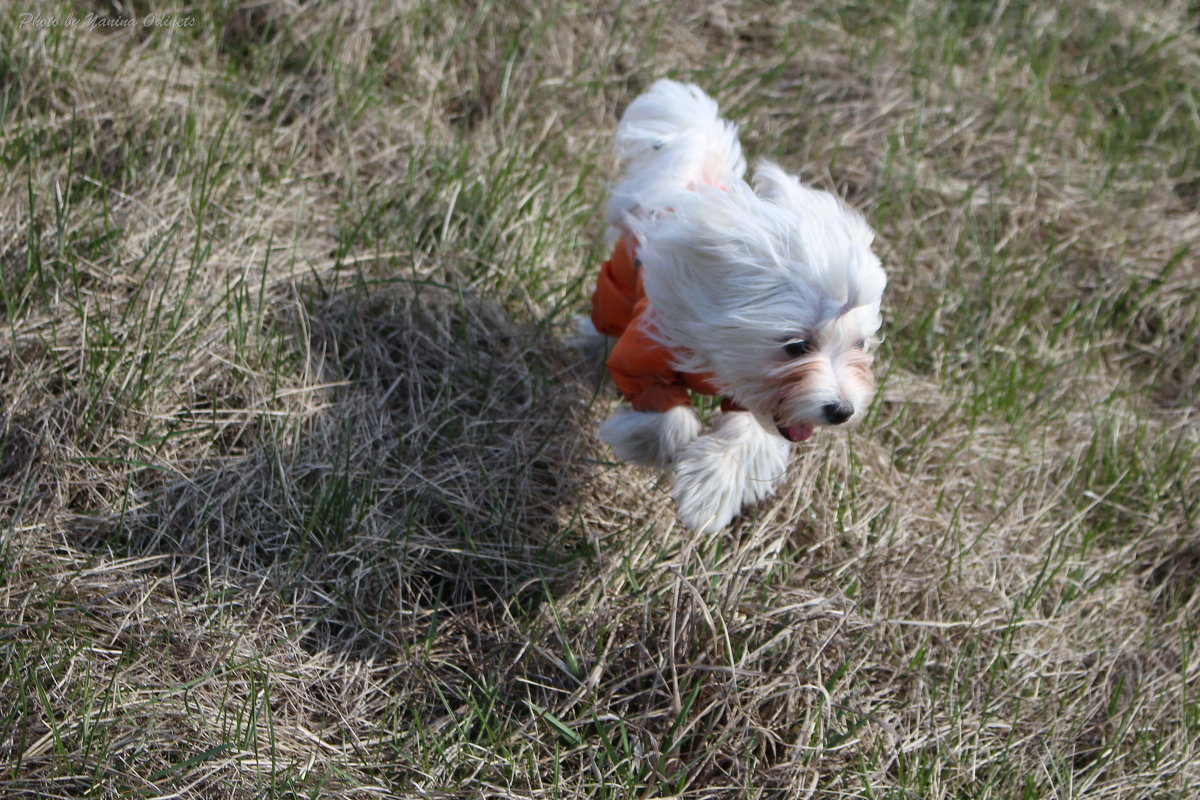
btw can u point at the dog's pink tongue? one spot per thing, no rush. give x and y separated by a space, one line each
799 433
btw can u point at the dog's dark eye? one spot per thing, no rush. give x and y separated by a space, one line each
861 344
798 347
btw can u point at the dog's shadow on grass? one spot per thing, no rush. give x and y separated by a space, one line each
431 468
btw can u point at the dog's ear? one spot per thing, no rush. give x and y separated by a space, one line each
771 183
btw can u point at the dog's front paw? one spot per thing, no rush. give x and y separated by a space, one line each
763 455
708 486
736 465
650 438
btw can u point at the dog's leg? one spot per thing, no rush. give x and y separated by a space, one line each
650 438
590 343
765 455
586 338
737 463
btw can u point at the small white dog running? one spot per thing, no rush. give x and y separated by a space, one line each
767 295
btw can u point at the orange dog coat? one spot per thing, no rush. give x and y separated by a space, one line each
640 366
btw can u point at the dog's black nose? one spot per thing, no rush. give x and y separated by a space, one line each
837 413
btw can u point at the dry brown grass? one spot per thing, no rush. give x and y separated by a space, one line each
299 488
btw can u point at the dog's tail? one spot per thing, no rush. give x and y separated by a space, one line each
669 138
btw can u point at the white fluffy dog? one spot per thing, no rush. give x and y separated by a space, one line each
767 295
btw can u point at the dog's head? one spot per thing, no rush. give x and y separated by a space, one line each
773 292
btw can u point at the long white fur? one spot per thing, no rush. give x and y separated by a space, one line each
732 272
650 438
670 138
734 465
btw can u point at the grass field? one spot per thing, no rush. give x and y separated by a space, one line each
300 493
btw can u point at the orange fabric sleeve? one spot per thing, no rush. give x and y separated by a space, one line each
640 366
617 290
641 369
